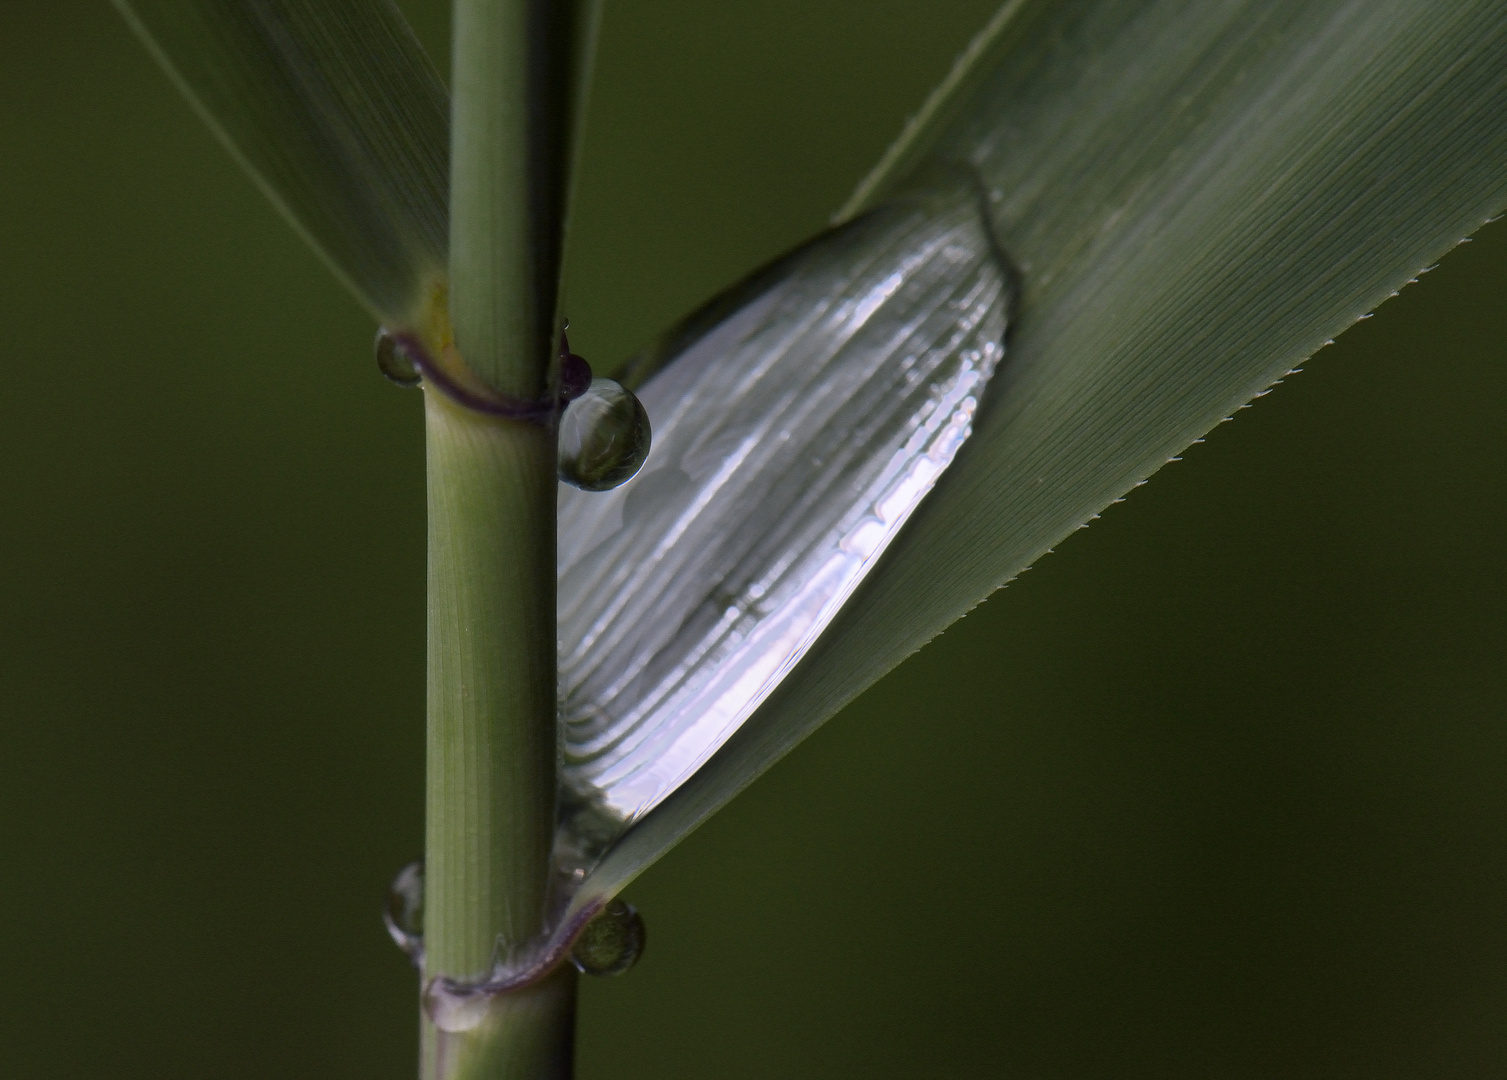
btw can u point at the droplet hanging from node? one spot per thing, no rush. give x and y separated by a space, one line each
394 362
575 372
612 942
403 913
604 437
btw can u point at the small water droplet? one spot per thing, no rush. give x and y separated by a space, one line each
604 437
575 376
575 372
612 942
394 362
404 911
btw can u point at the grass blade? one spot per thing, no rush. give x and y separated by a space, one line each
336 111
1199 196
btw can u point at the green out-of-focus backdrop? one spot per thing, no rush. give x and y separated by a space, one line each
1218 790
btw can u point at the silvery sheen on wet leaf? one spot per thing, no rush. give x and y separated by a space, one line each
798 424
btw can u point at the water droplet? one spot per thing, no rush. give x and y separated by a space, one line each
575 376
575 372
612 942
604 437
394 362
404 912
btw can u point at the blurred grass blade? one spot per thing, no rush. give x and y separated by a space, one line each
336 111
1198 193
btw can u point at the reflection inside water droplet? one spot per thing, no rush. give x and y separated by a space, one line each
404 911
612 942
394 362
604 437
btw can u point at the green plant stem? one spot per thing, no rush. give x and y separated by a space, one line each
492 731
493 273
517 77
528 1035
492 743
518 74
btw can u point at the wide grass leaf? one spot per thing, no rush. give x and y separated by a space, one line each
1198 194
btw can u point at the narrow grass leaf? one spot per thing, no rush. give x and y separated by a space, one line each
336 111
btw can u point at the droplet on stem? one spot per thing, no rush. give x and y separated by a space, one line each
394 362
575 376
404 911
612 942
604 437
575 372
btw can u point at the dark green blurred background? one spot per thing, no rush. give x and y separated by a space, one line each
1217 791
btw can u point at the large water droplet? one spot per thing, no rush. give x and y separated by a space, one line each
404 911
604 437
612 942
394 362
